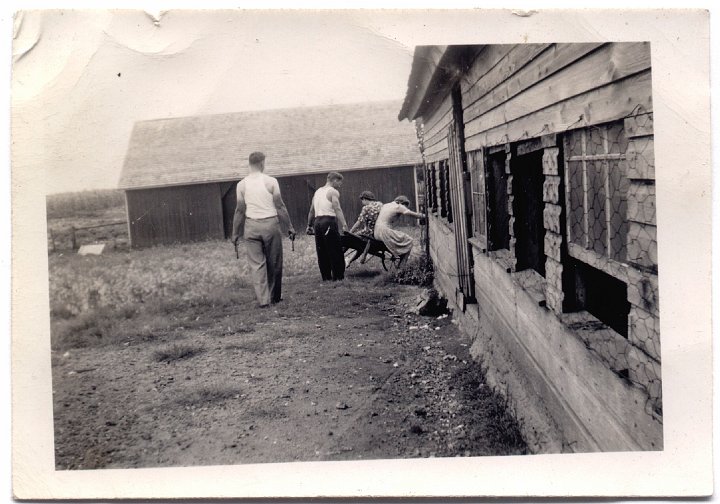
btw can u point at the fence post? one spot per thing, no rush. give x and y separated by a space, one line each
74 242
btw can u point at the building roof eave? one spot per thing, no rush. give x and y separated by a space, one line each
435 70
425 65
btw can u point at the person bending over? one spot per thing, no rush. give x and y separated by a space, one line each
397 242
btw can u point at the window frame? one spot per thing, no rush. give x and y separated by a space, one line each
586 252
491 215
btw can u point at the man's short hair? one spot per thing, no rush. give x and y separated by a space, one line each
256 158
403 200
333 175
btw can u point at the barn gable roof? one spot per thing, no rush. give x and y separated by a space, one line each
189 150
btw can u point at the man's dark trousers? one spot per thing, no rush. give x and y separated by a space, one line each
328 246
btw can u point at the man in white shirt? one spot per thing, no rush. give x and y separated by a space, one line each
259 215
326 221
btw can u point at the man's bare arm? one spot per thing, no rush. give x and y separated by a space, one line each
335 200
311 216
282 211
239 217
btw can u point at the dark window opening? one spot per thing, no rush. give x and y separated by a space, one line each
497 219
602 295
443 188
528 206
432 188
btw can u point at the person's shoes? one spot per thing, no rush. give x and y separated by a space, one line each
263 305
403 259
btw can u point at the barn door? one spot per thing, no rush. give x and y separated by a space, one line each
462 210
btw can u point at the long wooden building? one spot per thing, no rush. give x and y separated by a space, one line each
180 174
541 194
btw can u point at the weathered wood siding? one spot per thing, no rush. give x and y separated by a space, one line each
525 99
175 214
526 91
436 128
205 211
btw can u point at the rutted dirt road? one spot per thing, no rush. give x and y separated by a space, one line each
337 371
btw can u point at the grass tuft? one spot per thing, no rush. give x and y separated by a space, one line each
251 345
417 271
501 433
177 351
209 394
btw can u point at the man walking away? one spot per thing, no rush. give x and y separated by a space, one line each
326 221
258 216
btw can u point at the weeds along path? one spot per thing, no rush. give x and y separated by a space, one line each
337 371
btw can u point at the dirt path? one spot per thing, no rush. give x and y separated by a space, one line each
337 371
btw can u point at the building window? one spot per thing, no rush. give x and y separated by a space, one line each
444 190
448 199
497 202
602 295
476 167
597 190
432 188
528 206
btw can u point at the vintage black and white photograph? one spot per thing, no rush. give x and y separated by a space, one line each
288 237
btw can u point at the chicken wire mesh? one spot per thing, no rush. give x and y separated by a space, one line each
609 207
611 222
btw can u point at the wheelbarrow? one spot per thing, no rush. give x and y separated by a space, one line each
354 246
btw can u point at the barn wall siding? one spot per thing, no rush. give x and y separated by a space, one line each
572 399
205 211
175 214
386 184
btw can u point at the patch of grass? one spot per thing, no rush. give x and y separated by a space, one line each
252 345
61 312
417 270
83 202
362 273
208 394
177 351
96 327
495 431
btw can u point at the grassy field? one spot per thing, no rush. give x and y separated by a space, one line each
93 299
170 362
83 203
82 209
161 357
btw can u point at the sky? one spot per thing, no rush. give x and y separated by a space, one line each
82 78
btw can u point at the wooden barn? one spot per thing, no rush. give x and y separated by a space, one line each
180 174
541 194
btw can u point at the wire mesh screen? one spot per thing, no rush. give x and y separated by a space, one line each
476 166
597 189
611 220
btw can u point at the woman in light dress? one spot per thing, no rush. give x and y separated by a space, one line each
396 241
